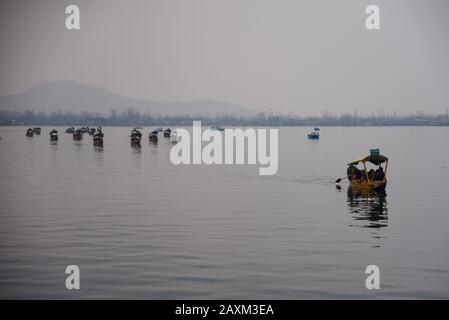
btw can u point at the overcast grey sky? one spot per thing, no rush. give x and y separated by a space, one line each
281 55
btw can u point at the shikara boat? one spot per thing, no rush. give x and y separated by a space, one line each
78 134
174 136
30 132
135 137
372 179
153 135
53 135
98 137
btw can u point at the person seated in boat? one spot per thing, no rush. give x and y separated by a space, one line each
354 173
350 172
371 174
379 174
360 174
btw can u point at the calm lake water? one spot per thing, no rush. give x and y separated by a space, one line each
140 227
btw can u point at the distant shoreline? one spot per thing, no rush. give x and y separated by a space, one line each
212 124
134 118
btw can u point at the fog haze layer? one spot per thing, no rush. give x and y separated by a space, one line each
289 55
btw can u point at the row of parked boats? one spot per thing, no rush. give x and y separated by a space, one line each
98 135
32 131
136 135
72 130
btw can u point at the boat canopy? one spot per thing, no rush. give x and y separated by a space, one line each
374 159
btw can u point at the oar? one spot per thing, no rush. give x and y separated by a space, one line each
339 179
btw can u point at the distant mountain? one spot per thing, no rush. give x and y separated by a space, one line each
49 96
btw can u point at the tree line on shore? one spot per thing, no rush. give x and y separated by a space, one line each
133 118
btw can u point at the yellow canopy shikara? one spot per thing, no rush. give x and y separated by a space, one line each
368 182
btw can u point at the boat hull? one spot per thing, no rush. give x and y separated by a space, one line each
135 141
153 138
373 185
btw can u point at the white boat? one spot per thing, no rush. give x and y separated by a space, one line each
173 136
217 128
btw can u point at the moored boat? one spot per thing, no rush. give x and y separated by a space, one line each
53 135
78 134
135 137
153 135
98 137
174 137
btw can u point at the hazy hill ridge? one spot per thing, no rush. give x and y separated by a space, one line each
49 96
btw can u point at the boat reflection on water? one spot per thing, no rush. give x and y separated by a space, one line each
368 207
98 148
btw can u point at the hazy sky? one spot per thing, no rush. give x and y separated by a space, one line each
281 55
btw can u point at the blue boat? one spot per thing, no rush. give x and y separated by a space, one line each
315 134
